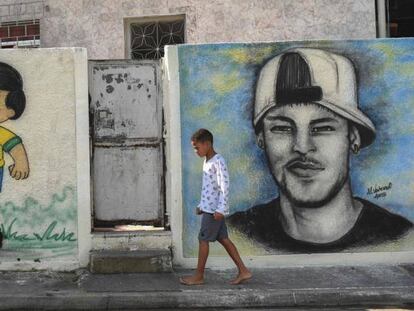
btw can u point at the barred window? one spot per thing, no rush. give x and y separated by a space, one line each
20 34
148 38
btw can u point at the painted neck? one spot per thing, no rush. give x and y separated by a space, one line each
323 224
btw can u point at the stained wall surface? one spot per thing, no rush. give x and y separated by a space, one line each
11 11
39 214
99 25
302 151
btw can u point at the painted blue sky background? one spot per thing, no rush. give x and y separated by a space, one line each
217 91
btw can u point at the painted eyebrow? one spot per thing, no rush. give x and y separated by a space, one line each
322 120
279 118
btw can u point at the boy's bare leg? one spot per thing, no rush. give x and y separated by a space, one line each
244 273
198 277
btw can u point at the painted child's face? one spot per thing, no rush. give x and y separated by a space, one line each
5 113
201 148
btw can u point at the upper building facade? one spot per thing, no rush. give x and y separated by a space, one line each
108 28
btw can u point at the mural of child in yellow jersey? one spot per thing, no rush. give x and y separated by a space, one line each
12 105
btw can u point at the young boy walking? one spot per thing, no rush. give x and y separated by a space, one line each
213 207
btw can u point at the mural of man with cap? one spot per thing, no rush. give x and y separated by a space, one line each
307 121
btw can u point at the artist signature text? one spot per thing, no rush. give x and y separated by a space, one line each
379 191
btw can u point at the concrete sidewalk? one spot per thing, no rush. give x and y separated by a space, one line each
271 288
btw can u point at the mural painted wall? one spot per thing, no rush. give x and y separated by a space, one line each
38 198
318 138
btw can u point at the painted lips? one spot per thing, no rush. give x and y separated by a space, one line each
304 169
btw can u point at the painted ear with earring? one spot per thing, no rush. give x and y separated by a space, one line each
260 140
355 139
355 148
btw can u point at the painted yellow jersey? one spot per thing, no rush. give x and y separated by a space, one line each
8 140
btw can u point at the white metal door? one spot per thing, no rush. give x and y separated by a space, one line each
127 141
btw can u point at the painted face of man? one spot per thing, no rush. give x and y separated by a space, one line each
307 148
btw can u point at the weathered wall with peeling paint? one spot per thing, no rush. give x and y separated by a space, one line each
99 25
39 215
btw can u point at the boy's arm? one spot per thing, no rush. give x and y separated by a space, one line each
20 168
198 209
223 184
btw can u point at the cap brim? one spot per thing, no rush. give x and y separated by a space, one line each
364 124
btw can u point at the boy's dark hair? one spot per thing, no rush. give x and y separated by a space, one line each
202 135
11 80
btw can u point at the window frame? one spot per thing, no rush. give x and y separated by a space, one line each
382 17
148 19
384 20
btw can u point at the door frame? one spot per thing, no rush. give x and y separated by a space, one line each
162 221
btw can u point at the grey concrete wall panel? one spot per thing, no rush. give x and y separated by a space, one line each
124 99
127 183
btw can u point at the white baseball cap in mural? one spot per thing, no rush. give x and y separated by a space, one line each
305 75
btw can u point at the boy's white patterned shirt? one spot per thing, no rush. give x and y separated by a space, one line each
215 188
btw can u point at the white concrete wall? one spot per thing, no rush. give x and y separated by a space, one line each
54 201
99 25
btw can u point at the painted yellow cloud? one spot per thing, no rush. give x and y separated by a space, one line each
201 110
226 83
387 49
406 69
249 56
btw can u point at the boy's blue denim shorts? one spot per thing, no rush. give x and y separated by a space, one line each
212 230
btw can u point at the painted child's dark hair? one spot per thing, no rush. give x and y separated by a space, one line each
11 80
202 135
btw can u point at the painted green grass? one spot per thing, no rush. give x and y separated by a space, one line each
34 226
49 234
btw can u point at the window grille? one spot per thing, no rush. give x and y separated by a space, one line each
148 39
